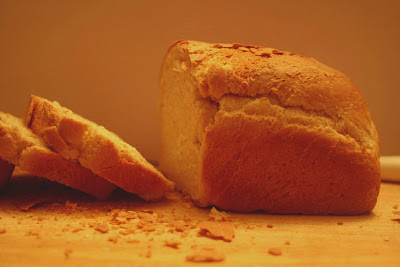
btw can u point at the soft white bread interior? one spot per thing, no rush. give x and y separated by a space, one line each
249 128
80 140
21 147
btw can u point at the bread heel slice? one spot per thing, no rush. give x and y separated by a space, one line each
23 148
96 148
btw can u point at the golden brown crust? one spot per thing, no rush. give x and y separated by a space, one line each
294 80
26 150
78 139
6 170
290 135
253 163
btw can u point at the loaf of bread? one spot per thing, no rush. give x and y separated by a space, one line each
6 170
248 128
96 148
20 147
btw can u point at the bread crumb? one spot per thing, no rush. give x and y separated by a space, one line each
287 242
69 207
340 223
218 215
395 206
150 211
217 230
33 233
179 226
77 229
147 217
396 212
113 239
67 252
3 230
148 228
128 231
27 205
132 241
172 243
102 228
396 220
270 226
206 256
275 251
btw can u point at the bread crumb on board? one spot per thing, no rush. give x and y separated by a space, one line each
397 212
340 223
275 251
396 220
102 227
113 239
205 256
28 204
395 206
67 253
218 215
270 226
3 230
287 243
217 230
172 243
179 226
69 207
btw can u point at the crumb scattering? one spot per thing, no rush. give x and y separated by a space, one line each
3 230
217 230
396 220
397 212
340 223
287 242
275 251
270 226
395 206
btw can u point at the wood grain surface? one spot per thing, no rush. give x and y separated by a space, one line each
46 224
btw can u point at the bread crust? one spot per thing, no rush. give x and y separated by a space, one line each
78 139
21 147
6 170
271 106
254 163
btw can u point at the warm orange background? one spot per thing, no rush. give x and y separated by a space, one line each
102 58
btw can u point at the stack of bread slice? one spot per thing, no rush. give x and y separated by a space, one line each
55 143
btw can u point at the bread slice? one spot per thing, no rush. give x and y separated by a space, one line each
20 147
6 170
249 128
81 140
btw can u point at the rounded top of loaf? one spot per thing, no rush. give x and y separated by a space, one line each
290 79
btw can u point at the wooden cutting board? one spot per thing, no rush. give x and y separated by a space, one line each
46 224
